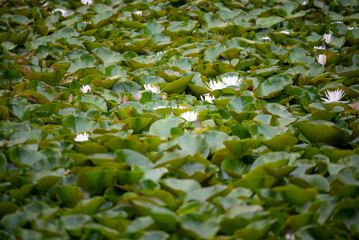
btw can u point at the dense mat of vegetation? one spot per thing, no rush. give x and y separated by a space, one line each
179 119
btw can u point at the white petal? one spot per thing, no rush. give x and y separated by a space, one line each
189 116
81 137
153 88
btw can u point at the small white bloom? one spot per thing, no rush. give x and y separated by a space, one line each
319 47
214 85
334 96
352 28
336 22
81 137
265 38
86 2
232 81
289 236
160 107
304 3
152 88
138 13
328 38
159 53
87 22
85 88
285 32
322 59
179 107
64 12
189 116
207 97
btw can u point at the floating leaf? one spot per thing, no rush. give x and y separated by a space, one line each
140 223
107 56
177 86
133 158
272 86
69 195
94 180
240 147
194 143
95 101
266 22
137 124
52 78
198 226
181 185
25 156
280 142
79 124
322 132
204 193
255 230
213 52
162 127
296 195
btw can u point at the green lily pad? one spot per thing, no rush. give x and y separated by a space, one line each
240 147
205 193
79 124
272 86
322 132
52 78
255 230
181 185
162 127
107 56
296 195
86 206
198 226
280 142
133 158
178 86
194 143
69 195
268 21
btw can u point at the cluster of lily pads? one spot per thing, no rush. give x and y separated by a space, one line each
179 119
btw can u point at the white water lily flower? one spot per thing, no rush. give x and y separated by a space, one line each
328 38
214 85
152 88
266 38
189 116
85 88
207 97
319 47
138 13
285 32
322 59
82 137
64 12
232 81
304 3
159 53
86 2
334 96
